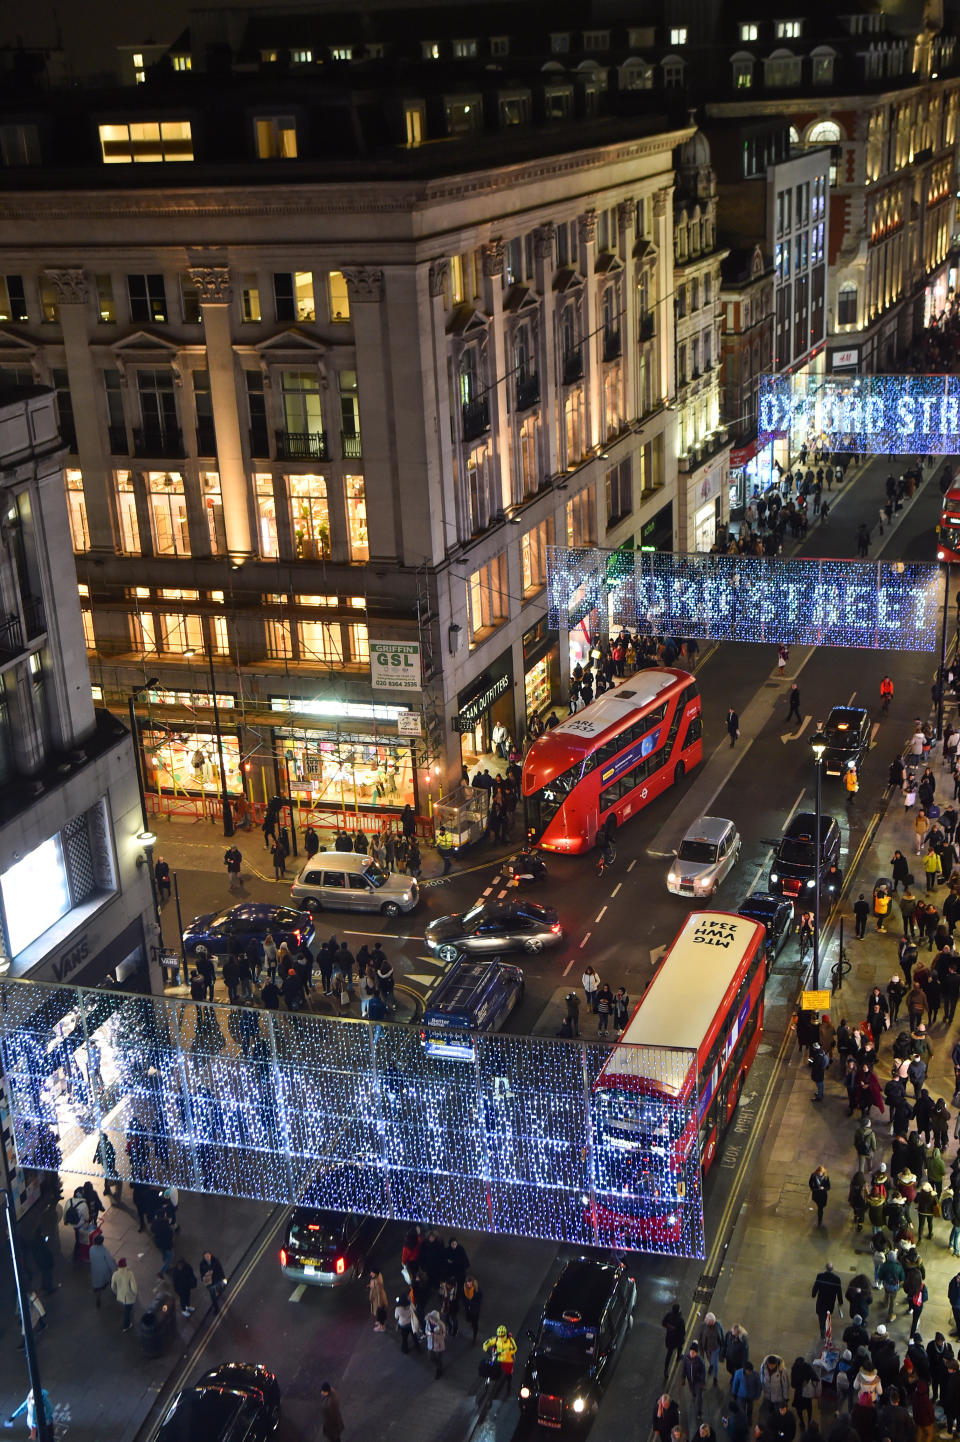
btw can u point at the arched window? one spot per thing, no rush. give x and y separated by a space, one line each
847 304
794 135
824 132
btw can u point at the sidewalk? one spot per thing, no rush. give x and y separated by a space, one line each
776 1251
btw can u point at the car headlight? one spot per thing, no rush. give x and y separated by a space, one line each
774 876
578 1404
673 878
524 1392
405 896
811 882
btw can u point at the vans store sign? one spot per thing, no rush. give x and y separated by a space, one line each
395 665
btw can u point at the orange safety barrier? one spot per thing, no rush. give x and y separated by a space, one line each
323 818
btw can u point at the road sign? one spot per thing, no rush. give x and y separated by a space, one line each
815 1001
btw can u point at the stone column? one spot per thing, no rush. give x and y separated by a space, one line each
213 283
626 219
86 393
497 383
544 243
455 523
377 419
587 230
666 329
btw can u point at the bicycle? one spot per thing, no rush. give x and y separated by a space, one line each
884 705
488 1388
841 968
606 857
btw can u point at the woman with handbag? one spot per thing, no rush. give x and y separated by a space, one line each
213 1277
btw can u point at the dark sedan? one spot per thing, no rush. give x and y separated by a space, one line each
229 932
775 914
490 930
240 1400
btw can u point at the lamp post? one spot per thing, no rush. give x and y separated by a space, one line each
942 673
44 1430
146 836
818 744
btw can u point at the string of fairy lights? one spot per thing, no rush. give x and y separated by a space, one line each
868 415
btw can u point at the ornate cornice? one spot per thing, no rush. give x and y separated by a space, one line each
70 284
493 258
543 241
213 283
587 226
365 282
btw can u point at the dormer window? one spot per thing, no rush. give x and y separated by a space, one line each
678 36
596 39
749 31
465 49
822 59
742 63
499 44
301 57
782 69
672 67
560 43
789 29
341 52
429 49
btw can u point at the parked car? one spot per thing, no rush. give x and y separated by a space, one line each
237 1402
510 926
349 881
848 739
584 1324
229 932
774 913
793 869
710 848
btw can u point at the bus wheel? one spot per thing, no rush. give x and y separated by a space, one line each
679 771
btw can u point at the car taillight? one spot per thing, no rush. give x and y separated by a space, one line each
555 928
340 1266
283 1256
296 936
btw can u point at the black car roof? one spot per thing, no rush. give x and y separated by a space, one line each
760 901
804 826
583 1286
847 713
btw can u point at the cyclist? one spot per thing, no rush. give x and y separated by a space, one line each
502 1349
806 933
886 694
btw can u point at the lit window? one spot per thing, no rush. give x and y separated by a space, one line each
168 513
138 59
77 506
749 30
149 140
341 52
359 643
180 634
430 50
49 309
83 591
488 603
301 57
359 603
309 516
89 634
105 306
293 295
413 124
464 49
269 57
357 519
320 641
533 555
148 297
339 296
279 644
678 36
189 299
582 519
300 392
306 599
266 513
36 893
789 29
183 62
276 137
128 526
250 297
213 505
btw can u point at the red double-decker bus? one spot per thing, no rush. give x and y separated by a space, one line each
659 1121
948 530
607 761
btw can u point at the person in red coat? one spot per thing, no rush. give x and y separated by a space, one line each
868 1093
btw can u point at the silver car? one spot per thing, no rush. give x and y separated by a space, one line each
705 855
349 881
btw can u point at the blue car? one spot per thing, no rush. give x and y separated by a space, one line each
229 932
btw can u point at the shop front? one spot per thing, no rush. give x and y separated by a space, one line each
183 760
656 534
346 768
752 470
541 670
481 705
708 513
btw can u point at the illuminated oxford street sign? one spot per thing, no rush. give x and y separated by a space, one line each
869 415
873 605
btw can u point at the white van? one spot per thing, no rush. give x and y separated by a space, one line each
350 881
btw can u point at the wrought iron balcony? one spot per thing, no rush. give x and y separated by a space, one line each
206 438
476 418
34 624
647 327
164 441
301 445
611 344
34 617
573 366
528 392
350 445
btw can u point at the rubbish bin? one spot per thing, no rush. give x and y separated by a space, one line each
158 1323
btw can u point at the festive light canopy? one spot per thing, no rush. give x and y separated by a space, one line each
869 415
280 1107
874 605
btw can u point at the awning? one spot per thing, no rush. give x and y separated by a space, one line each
740 455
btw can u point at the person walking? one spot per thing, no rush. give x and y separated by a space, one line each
861 910
123 1285
674 1330
161 872
330 1415
694 1376
403 1315
102 1266
827 1292
233 860
711 1343
377 1293
733 726
818 1062
890 1275
184 1279
472 1302
311 843
794 699
213 1277
436 1334
279 857
819 1184
29 1406
746 1388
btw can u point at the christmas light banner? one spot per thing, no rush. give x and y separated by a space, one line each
565 1140
871 605
868 415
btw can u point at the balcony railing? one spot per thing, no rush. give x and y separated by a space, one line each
647 328
119 445
572 366
34 623
259 442
528 392
34 617
476 418
11 638
301 445
158 441
611 344
350 445
206 438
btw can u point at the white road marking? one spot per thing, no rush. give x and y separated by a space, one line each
632 864
501 894
795 735
487 892
569 964
297 1294
615 890
873 734
585 939
599 916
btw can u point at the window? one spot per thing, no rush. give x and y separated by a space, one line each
619 484
300 392
559 104
250 298
279 647
266 514
301 57
77 507
582 519
293 295
149 140
464 49
309 516
429 50
782 69
339 296
789 29
219 636
213 505
189 299
560 43
596 39
847 304
742 71
341 52
168 513
148 298
349 415
487 602
462 116
127 524
49 311
13 304
180 634
106 310
19 145
825 132
499 45
320 641
89 634
182 62
533 556
413 125
749 31
514 110
672 72
276 137
678 36
158 405
823 69
357 519
359 642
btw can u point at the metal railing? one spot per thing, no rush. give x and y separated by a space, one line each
351 447
476 418
611 344
528 392
573 366
158 441
301 445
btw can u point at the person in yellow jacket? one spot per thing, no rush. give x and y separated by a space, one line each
503 1349
850 782
933 868
881 906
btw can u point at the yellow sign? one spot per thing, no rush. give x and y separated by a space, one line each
815 1001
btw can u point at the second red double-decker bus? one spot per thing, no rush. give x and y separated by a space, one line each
610 759
948 531
658 1118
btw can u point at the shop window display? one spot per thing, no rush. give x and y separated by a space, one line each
187 762
347 771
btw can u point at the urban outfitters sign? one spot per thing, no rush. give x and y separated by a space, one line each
869 415
395 665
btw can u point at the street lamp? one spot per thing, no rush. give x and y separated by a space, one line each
146 836
818 744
